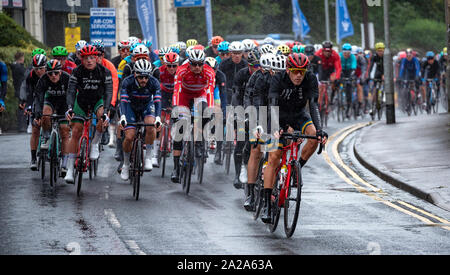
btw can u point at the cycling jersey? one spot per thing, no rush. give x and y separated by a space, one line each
145 101
430 71
250 98
329 64
376 69
3 80
69 66
167 80
116 61
410 69
88 87
28 88
361 66
348 64
443 64
315 63
240 82
230 69
121 66
115 79
220 90
52 94
292 100
189 85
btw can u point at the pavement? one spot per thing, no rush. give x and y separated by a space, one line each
413 154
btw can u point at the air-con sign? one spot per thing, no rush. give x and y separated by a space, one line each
103 25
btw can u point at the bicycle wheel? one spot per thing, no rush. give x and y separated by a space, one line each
42 162
138 168
228 158
200 164
163 154
292 201
81 164
276 210
259 187
53 160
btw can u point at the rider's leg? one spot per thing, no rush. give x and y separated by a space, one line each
252 173
64 131
311 144
77 130
149 140
130 133
269 182
94 154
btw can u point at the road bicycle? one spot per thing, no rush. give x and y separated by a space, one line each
54 149
432 96
287 190
378 99
165 146
324 107
412 98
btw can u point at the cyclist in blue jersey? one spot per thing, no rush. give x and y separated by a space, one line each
3 86
348 64
410 70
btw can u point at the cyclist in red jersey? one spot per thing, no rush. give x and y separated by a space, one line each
194 83
330 69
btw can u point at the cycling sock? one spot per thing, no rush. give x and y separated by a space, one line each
176 161
33 154
65 158
126 158
97 137
302 162
156 144
148 151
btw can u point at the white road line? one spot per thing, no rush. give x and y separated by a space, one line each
112 218
134 246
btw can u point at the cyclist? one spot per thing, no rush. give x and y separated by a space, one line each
51 93
224 53
90 91
291 90
60 53
194 81
256 94
430 70
410 70
212 50
140 99
240 82
443 62
349 64
75 57
134 42
361 67
167 82
3 87
124 51
330 68
249 46
375 68
314 60
139 52
27 95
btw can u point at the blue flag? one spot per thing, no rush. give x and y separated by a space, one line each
147 18
208 13
299 24
344 25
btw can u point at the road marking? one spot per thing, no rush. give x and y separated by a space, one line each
134 246
364 191
112 218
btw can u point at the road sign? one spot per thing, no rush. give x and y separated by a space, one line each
73 35
188 3
103 25
72 18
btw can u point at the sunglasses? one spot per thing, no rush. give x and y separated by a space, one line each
171 66
297 71
141 77
196 64
53 73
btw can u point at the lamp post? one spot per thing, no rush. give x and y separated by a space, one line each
388 73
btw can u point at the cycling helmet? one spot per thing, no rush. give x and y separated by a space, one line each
284 49
212 62
133 40
296 49
39 60
88 50
249 45
182 45
269 40
38 51
346 47
266 48
236 46
309 50
143 67
147 43
53 65
175 49
265 60
99 45
188 50
379 45
197 55
199 47
223 47
278 63
80 44
327 44
409 51
216 40
59 51
191 42
139 50
163 51
359 50
171 58
253 57
354 49
430 55
123 44
297 60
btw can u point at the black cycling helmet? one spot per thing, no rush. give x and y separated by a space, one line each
53 65
39 60
327 44
309 49
253 57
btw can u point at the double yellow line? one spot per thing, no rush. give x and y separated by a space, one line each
367 189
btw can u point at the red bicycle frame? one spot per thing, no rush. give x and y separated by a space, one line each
166 120
86 126
293 147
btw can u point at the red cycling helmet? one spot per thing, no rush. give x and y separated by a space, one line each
199 47
171 58
297 60
88 50
216 40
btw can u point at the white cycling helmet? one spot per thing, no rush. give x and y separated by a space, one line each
211 61
164 50
181 45
143 67
278 63
249 45
269 40
265 60
266 48
80 44
354 49
133 40
317 47
140 49
196 55
236 46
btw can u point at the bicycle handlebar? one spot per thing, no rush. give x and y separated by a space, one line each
298 135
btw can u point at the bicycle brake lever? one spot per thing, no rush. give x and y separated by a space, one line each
321 147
